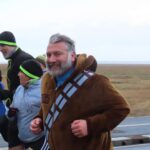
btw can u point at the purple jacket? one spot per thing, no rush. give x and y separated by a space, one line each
2 107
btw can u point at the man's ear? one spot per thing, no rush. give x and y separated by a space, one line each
73 56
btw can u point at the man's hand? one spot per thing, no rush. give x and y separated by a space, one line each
79 128
35 125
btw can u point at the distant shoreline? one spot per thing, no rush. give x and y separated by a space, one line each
113 63
125 62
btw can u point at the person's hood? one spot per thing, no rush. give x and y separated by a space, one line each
84 62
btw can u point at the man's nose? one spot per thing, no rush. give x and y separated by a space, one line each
52 58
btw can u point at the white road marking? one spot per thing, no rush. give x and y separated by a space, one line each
120 138
133 125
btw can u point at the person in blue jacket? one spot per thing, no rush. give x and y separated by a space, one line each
26 104
3 120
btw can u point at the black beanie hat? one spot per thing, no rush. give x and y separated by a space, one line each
31 68
7 38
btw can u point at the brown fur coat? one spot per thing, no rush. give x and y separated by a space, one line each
96 101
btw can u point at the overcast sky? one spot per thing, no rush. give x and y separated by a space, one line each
111 30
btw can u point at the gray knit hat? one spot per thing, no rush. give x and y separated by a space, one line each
41 59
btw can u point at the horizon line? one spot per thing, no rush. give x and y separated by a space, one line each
123 62
115 62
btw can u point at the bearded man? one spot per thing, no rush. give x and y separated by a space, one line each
79 107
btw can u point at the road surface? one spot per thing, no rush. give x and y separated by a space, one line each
2 143
134 147
131 128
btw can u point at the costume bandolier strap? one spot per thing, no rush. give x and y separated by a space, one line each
68 91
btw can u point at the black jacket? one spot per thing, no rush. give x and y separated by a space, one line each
12 73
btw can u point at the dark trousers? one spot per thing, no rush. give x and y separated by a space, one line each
13 139
36 145
4 127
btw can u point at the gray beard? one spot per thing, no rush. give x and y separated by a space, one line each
9 54
63 68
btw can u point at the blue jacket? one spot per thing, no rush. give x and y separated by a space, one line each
2 106
28 102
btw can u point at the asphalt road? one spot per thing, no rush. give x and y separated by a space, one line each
134 147
130 127
2 143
